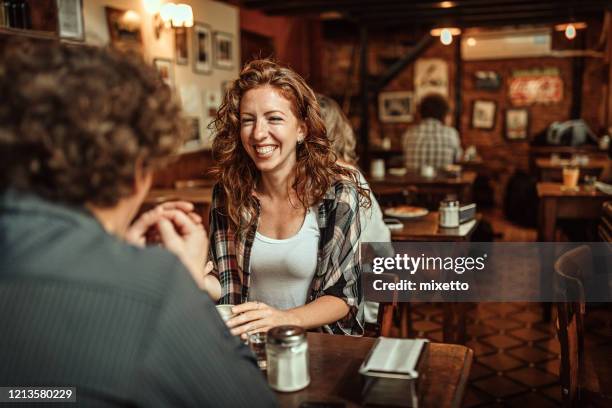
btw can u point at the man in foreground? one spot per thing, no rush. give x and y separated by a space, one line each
83 303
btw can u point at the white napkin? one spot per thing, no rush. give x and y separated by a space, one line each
395 356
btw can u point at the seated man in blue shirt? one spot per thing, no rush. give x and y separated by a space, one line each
431 142
83 302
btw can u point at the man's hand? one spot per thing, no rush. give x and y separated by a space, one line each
146 224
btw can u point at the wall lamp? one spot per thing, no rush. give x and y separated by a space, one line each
168 15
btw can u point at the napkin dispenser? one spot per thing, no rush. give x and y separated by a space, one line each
467 213
391 372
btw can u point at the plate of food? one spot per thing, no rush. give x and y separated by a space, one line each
406 212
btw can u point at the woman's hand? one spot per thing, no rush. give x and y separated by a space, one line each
253 317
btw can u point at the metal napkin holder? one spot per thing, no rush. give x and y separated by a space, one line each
391 372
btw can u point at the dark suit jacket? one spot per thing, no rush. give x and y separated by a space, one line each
126 326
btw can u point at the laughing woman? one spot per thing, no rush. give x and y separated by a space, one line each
285 216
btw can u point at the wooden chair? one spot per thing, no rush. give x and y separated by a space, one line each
579 381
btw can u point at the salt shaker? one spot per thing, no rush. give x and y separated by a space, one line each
449 213
287 354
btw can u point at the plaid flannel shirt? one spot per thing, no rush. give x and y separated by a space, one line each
338 271
431 143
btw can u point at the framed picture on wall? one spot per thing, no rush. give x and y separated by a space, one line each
487 80
517 124
193 142
483 114
223 48
165 67
202 48
70 19
180 46
395 107
124 29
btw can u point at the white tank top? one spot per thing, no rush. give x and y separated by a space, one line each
282 269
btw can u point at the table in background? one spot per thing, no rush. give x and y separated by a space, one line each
440 185
553 171
557 204
563 152
427 229
334 372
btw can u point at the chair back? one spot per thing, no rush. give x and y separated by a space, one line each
572 269
393 317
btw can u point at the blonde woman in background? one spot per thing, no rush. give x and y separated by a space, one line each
342 137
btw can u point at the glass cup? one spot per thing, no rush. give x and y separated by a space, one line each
225 311
570 178
257 344
589 183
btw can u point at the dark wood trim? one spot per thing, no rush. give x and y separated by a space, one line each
364 126
399 66
458 82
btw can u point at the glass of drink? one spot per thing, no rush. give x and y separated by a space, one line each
589 183
225 311
570 178
257 343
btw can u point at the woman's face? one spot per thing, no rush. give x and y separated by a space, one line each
269 130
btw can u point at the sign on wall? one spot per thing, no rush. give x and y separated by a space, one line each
527 87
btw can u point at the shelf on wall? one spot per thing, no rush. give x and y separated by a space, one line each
42 35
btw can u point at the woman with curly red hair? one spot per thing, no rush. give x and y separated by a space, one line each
285 216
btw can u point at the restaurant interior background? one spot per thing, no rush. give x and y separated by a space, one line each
503 59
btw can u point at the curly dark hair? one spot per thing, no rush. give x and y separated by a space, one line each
316 168
75 120
433 106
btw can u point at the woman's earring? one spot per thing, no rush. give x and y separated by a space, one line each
300 141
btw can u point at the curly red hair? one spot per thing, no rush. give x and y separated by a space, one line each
316 168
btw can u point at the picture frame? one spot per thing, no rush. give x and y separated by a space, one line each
202 48
516 124
484 113
487 80
70 24
181 49
165 67
194 141
223 50
124 29
396 107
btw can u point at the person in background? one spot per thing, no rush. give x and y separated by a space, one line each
285 226
83 302
342 137
431 142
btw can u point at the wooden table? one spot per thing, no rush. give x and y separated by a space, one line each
334 372
562 151
427 229
440 185
553 171
557 204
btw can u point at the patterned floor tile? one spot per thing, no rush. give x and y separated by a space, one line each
499 386
480 371
503 323
553 392
501 341
480 349
475 398
531 355
530 400
500 362
532 377
424 326
529 334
